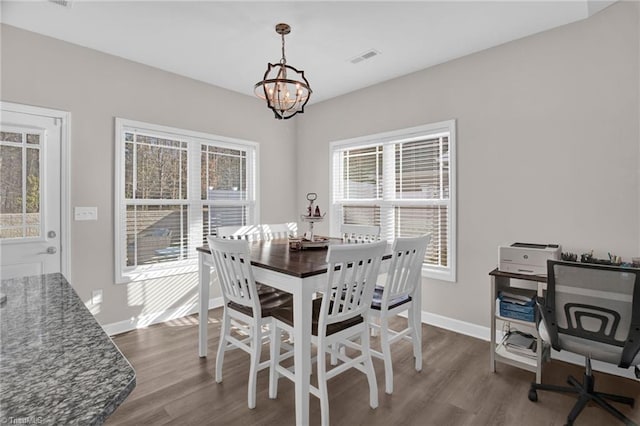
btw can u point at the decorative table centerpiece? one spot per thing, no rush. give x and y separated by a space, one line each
309 239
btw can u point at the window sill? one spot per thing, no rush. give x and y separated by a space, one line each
439 274
150 272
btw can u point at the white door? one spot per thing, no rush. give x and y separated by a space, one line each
29 192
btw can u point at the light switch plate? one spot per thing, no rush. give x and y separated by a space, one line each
85 213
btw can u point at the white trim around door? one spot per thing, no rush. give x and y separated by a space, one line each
65 175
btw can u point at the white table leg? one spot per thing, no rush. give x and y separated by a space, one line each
417 313
302 351
204 279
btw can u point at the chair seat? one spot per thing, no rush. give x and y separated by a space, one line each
270 300
285 314
597 350
264 288
394 303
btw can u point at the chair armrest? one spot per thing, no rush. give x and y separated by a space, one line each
631 347
547 316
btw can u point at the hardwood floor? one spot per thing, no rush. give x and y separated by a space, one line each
455 387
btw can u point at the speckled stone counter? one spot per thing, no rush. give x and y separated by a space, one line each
57 365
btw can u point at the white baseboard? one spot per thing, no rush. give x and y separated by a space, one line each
145 320
457 326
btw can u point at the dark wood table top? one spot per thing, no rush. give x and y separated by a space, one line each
276 256
538 278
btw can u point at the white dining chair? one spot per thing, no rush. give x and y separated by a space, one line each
359 233
250 306
397 296
240 232
339 317
279 231
353 234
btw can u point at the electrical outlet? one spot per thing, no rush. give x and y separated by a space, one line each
96 297
85 213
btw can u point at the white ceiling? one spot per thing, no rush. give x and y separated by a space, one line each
228 44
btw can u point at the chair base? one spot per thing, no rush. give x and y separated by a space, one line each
586 394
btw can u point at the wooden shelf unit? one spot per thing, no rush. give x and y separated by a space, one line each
535 286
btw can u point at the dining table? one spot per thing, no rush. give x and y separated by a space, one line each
298 272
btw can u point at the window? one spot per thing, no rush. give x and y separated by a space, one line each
173 188
20 193
403 181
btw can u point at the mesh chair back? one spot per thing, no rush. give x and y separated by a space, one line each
233 266
589 303
352 271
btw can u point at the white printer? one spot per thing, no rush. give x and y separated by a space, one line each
527 258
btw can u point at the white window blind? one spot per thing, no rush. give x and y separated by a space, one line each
404 182
156 198
174 187
226 187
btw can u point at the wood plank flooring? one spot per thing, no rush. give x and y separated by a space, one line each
455 387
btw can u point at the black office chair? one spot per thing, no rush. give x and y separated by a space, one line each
592 310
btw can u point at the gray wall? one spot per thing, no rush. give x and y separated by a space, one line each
547 145
548 151
97 87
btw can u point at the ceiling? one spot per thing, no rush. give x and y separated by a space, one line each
228 44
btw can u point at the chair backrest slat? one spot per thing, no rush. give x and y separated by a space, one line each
258 232
352 271
279 230
404 273
237 232
232 262
359 233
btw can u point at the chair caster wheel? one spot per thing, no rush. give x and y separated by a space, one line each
533 395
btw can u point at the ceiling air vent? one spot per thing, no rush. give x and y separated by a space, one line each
363 56
63 3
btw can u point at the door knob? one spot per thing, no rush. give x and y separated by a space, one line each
50 250
51 234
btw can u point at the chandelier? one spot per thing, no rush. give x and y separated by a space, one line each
285 89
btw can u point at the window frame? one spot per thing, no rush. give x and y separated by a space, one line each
195 204
386 202
41 147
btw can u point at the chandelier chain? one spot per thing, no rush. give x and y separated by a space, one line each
284 59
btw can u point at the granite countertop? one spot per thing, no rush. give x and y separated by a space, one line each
57 365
